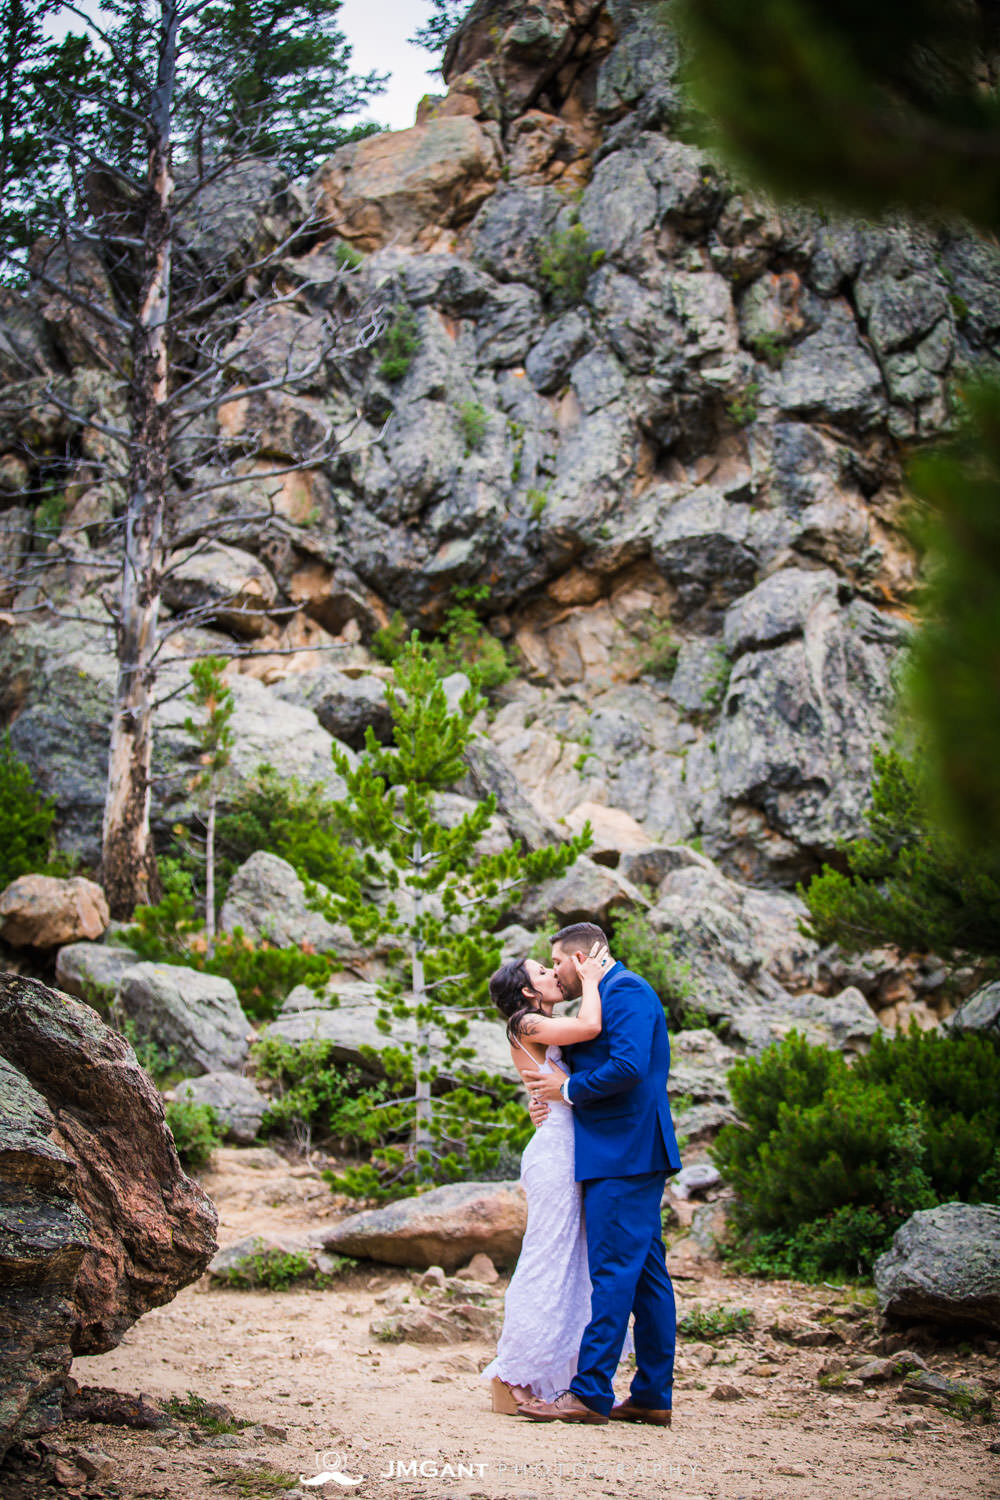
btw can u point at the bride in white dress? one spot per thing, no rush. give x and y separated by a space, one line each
547 1305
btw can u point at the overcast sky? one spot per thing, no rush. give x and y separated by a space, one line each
377 30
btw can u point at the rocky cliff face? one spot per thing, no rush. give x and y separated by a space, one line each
660 419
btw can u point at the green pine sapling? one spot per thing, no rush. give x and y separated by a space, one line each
442 901
214 739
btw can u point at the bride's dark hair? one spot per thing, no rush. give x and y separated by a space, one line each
507 988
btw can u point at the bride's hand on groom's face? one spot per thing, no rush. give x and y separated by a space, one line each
593 964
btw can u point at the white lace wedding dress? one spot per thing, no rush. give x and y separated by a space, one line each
547 1305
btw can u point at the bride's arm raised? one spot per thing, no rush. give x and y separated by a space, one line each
586 1024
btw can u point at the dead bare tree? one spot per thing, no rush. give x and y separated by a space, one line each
189 341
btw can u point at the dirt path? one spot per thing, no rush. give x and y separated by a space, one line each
415 1421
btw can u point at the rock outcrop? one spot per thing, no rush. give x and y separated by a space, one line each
42 911
944 1266
689 406
658 418
239 1106
980 1013
93 972
98 1223
196 1016
444 1227
347 1017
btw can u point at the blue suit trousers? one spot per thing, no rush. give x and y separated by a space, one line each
628 1271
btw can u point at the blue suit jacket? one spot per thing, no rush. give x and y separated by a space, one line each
618 1085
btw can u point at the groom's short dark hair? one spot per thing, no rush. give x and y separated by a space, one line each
579 935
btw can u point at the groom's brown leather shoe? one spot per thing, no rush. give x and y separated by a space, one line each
627 1411
565 1408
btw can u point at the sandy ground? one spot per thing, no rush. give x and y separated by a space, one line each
407 1421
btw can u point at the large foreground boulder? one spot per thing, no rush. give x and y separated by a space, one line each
944 1265
98 1223
44 1235
444 1227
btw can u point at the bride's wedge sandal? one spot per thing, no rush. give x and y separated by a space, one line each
503 1399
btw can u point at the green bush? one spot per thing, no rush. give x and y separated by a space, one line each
50 512
828 1159
718 684
537 501
400 343
473 418
768 347
274 1269
464 644
210 1416
516 432
279 813
566 263
491 1102
194 1130
650 954
661 647
162 931
161 1066
313 1093
715 1322
346 256
742 409
388 643
25 819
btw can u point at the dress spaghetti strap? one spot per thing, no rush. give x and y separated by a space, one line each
525 1050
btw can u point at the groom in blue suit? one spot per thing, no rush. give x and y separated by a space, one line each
625 1150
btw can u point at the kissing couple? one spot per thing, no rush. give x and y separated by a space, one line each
593 1174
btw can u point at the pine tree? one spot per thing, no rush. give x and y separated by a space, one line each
25 819
445 18
910 882
40 84
441 903
283 74
214 739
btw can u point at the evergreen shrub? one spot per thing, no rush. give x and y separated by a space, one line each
829 1158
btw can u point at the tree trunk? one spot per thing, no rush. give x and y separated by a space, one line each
210 875
128 862
422 1134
